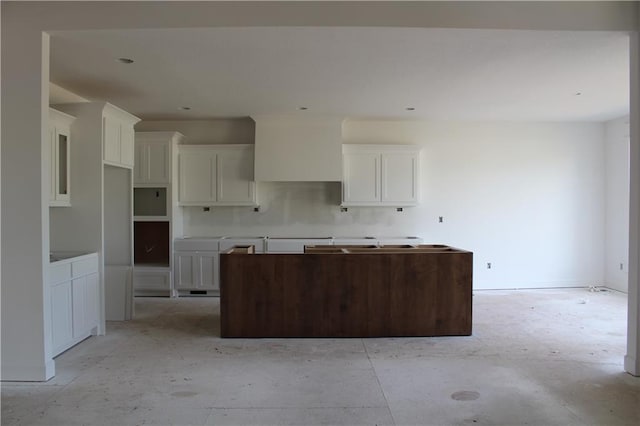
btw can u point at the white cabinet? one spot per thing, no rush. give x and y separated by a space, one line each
152 162
153 156
156 215
235 176
152 281
118 137
196 265
61 316
85 305
216 175
197 177
75 298
196 271
361 177
380 175
60 150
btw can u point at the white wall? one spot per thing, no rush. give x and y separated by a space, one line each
240 131
617 204
529 198
26 324
526 197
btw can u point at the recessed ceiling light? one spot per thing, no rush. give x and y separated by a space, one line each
410 108
303 108
125 60
185 108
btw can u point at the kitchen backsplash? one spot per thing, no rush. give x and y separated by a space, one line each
300 209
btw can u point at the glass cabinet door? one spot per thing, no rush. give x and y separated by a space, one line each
63 166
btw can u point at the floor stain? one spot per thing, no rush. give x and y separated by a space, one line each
465 395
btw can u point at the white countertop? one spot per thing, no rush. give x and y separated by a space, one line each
68 256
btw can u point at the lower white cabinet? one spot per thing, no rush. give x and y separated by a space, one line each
75 298
84 305
196 271
61 316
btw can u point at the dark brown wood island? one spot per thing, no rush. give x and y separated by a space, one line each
347 291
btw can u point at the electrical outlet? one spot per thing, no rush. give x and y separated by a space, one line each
488 265
621 266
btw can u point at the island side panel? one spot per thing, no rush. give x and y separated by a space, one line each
454 294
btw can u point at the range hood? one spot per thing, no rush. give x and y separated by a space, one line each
298 149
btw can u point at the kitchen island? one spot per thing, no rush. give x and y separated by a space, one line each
347 291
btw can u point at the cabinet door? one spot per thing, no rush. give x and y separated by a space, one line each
208 271
62 157
91 301
235 177
127 146
197 178
361 180
158 162
78 303
152 162
399 178
185 271
111 139
61 317
140 168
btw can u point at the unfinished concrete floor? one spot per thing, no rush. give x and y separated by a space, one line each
537 357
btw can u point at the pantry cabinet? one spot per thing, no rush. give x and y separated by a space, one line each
380 175
157 219
216 175
60 158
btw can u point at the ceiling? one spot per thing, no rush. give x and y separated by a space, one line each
444 74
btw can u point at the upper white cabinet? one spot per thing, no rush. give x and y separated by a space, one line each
153 156
60 149
211 175
118 137
380 175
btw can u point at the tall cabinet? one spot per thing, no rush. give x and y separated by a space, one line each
157 219
100 217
